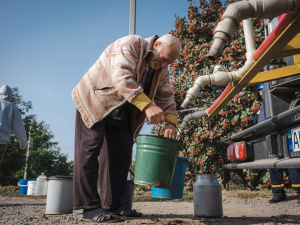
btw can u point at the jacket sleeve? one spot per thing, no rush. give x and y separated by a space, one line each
141 101
164 97
18 127
124 62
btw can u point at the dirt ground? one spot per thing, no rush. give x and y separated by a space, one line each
236 211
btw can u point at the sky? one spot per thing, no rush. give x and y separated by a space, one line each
46 46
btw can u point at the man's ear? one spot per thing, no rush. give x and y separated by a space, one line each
156 45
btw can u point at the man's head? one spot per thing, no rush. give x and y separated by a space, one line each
260 88
165 50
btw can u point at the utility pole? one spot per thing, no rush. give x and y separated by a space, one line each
27 156
132 17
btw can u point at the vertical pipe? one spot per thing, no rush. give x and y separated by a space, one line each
132 17
249 38
27 156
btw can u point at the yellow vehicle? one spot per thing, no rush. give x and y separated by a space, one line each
275 142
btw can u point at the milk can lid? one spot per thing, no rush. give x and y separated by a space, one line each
58 177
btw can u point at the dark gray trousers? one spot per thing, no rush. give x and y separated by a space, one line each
103 152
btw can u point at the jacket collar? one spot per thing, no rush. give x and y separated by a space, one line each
149 44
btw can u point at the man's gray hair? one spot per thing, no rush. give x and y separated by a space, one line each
169 39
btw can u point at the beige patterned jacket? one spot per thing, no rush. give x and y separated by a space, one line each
114 79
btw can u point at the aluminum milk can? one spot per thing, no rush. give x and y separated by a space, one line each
207 196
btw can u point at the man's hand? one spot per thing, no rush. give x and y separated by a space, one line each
154 114
170 131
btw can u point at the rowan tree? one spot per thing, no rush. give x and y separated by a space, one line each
202 137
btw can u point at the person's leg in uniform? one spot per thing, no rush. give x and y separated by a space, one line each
114 162
295 180
276 176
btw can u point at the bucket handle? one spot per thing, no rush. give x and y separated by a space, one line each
132 173
21 185
180 139
184 147
134 136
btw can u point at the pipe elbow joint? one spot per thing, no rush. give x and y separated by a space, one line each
226 28
193 92
222 35
271 9
187 100
239 11
221 78
187 118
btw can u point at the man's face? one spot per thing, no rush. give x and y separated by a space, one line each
162 56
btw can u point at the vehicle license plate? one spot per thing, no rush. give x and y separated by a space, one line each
294 139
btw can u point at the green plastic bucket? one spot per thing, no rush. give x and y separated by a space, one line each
155 161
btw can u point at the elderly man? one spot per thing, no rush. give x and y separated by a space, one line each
129 82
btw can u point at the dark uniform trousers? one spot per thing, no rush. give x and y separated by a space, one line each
276 176
103 152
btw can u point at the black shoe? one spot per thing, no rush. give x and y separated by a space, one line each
100 215
124 211
277 198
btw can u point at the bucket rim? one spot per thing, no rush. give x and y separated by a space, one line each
59 177
161 137
183 158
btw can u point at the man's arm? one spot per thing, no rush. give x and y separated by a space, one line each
156 115
18 128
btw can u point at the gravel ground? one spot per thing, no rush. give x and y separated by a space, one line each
236 211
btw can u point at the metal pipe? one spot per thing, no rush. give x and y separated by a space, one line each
132 17
238 11
249 38
187 118
219 77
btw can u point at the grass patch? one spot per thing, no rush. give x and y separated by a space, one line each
247 194
10 191
188 196
145 195
14 191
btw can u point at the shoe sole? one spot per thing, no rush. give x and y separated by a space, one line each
278 201
110 221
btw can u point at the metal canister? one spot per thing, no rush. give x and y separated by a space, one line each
155 160
207 196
